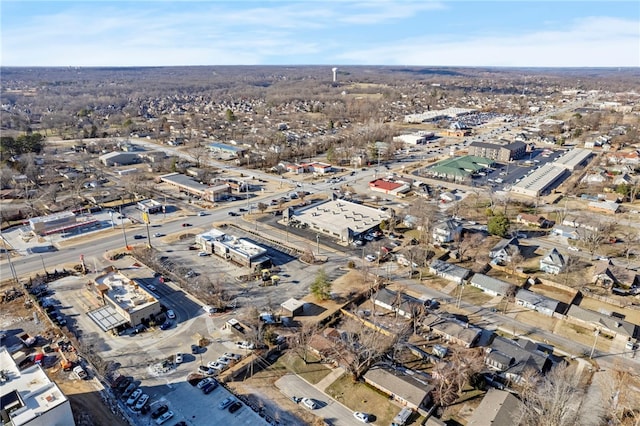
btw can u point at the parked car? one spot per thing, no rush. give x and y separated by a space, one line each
226 402
203 254
203 369
231 355
141 402
309 403
574 248
370 258
235 407
159 411
363 417
189 274
171 314
210 387
195 349
204 382
223 360
179 358
163 418
134 396
166 325
245 345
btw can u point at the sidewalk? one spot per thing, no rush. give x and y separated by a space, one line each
329 379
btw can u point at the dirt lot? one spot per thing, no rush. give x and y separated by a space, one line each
86 403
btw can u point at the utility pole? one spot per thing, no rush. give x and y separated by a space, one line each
318 242
44 268
124 234
595 340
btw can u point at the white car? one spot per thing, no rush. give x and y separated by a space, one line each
163 418
573 248
245 345
134 396
309 403
141 401
209 309
223 360
203 253
363 417
171 314
202 213
178 359
189 274
370 258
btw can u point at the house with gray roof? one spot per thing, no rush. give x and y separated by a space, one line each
505 248
398 302
614 326
449 271
497 408
513 357
119 158
453 330
490 285
553 262
409 388
447 231
537 302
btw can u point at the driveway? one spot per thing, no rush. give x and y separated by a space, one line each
330 410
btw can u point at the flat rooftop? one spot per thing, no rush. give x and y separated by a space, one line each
540 179
125 291
30 391
573 158
336 215
240 245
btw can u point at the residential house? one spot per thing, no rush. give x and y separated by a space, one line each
389 187
490 285
534 220
409 388
449 271
452 330
505 249
569 232
319 168
553 262
537 302
604 206
398 302
497 408
613 326
608 275
447 231
512 358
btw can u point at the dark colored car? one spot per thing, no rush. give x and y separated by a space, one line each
210 388
235 407
184 225
138 237
159 411
195 349
165 325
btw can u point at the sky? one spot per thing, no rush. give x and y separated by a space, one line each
514 33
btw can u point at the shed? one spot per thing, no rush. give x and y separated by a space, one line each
292 307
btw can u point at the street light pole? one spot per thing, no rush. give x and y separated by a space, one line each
318 242
595 340
124 234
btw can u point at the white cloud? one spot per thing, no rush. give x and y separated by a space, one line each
589 42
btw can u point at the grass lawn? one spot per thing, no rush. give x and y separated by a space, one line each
312 373
475 295
361 397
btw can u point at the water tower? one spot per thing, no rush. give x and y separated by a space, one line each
335 74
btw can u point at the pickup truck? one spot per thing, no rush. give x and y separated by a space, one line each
27 340
80 372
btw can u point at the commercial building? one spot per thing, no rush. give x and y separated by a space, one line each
149 206
389 187
496 152
223 148
60 222
574 159
459 169
419 138
541 181
437 115
29 397
338 218
125 301
119 158
189 186
234 249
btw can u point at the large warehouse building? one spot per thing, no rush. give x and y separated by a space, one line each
541 181
574 159
341 219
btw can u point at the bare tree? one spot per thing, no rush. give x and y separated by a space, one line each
558 399
360 348
620 403
469 244
594 236
453 375
299 342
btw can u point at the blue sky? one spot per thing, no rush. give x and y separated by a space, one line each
329 32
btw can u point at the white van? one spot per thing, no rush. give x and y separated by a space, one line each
402 417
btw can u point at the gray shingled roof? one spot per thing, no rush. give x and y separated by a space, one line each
446 268
489 283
